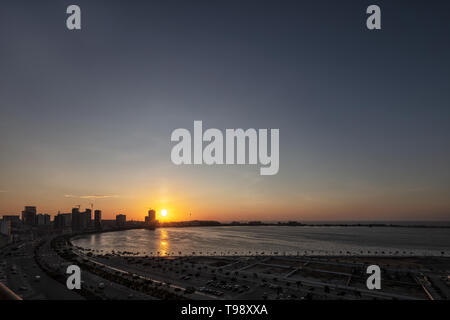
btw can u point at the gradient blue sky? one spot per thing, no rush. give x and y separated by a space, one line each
86 116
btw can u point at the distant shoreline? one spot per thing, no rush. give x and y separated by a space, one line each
200 223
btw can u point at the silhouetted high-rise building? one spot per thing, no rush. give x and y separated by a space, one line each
98 219
150 220
76 219
29 215
121 219
63 221
15 220
81 220
86 219
43 219
151 215
5 227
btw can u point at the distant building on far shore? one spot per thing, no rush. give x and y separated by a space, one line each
121 219
151 218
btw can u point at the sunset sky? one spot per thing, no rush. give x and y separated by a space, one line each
364 117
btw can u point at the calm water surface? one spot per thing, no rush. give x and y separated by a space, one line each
269 239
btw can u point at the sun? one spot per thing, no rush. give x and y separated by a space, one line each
164 212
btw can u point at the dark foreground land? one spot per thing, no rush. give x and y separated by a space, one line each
37 270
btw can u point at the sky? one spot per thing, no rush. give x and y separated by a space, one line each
86 116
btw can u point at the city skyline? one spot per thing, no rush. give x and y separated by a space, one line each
86 116
165 215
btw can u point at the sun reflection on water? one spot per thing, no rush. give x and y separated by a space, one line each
163 247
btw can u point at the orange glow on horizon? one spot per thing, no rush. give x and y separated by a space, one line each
184 203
